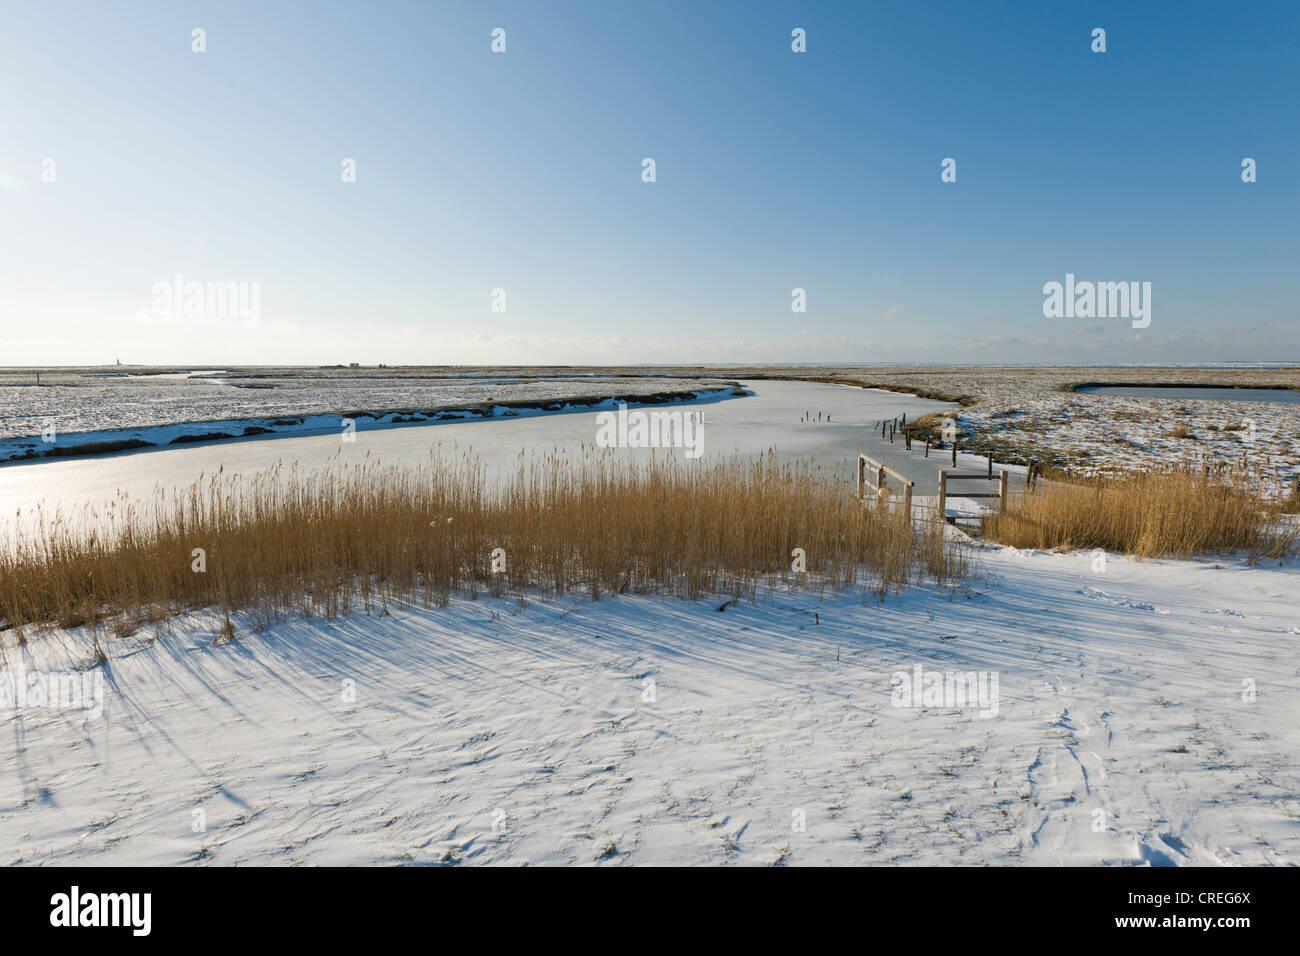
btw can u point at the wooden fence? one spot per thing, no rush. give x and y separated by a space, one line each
947 476
878 472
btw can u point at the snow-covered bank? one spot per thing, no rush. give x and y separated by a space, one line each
81 400
1017 413
640 730
57 444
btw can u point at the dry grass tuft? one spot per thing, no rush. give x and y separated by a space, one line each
1177 512
283 542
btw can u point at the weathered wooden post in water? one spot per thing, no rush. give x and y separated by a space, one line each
927 446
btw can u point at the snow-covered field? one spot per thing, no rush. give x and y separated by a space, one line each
76 406
1018 412
1023 412
1145 714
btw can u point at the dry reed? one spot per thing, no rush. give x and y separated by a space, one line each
1178 512
284 541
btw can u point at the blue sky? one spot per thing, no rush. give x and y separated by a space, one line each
522 171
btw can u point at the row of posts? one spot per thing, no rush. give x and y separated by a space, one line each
889 428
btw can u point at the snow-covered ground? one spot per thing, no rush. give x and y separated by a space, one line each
1023 412
76 406
333 425
1145 713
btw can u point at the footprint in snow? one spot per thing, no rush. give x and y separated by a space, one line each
1117 601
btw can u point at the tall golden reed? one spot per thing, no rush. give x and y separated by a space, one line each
1179 511
320 542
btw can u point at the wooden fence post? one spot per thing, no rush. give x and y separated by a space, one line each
927 446
1002 492
954 454
907 502
943 495
862 467
990 466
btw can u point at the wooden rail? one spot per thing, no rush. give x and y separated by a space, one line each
947 476
878 473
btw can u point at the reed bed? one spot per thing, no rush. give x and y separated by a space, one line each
284 542
1178 512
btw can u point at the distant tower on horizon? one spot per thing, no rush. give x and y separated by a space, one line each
119 363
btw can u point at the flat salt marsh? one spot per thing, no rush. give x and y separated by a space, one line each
87 401
1197 393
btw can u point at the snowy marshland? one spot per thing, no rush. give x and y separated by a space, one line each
59 412
1142 712
1017 413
